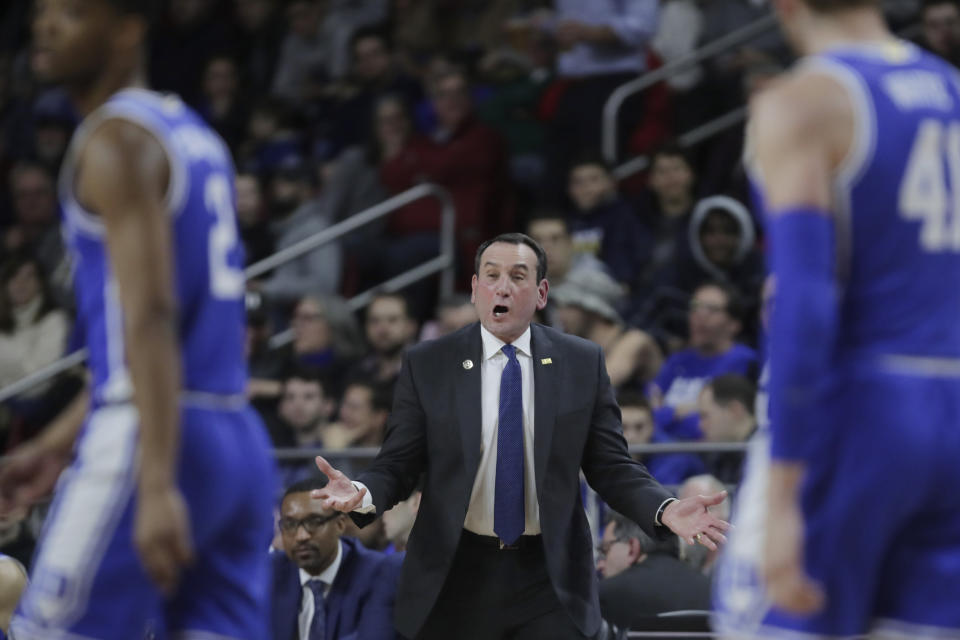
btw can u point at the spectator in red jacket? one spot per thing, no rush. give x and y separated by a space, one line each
464 156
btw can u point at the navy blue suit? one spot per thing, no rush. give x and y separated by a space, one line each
359 605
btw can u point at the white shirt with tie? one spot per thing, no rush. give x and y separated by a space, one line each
480 512
327 576
479 517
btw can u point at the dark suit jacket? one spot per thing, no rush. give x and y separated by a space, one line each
660 583
359 605
435 428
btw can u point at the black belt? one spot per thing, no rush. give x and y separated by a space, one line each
523 543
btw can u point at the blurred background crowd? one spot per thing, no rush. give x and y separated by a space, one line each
332 106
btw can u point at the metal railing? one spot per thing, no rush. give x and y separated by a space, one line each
689 139
677 635
611 109
710 128
369 453
443 263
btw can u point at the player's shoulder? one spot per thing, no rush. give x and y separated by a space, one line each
803 103
119 156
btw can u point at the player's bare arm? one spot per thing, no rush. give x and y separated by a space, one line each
799 137
30 471
802 131
123 176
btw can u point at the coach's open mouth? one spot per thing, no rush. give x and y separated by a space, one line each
500 310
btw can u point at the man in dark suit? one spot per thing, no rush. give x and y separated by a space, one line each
643 577
326 587
501 417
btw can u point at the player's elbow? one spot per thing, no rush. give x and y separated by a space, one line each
154 321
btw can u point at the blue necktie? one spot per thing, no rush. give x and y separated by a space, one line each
508 520
318 626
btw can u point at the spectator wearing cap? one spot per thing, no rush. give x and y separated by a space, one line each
587 302
297 213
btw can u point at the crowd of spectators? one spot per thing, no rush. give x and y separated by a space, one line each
332 106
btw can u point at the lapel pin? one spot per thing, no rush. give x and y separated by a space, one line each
546 360
468 364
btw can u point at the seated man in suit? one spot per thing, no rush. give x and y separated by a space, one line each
643 577
326 587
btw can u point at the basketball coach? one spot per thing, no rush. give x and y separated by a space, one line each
500 417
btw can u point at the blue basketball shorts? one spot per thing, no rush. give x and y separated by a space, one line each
87 579
882 518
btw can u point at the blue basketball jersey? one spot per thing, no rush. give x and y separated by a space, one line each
208 256
891 400
897 207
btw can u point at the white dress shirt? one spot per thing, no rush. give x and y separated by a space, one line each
480 512
327 576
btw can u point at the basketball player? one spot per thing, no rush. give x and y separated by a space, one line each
166 512
857 155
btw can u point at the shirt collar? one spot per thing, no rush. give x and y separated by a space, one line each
492 344
328 575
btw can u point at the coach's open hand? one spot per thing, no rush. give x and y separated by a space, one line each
340 494
691 520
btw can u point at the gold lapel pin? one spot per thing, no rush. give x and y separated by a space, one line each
546 360
468 364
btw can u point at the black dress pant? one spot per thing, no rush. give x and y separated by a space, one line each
499 594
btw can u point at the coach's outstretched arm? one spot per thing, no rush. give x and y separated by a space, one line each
395 471
124 177
630 489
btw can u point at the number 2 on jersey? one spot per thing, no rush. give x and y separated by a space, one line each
924 193
226 281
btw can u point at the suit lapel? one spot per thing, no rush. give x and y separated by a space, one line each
332 605
287 596
470 350
546 374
